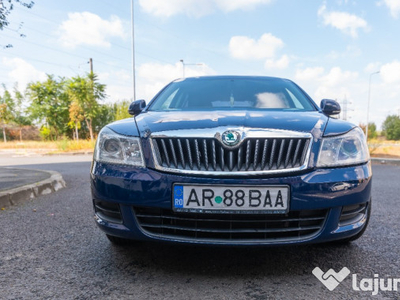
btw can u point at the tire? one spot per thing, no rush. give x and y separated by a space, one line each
358 235
119 241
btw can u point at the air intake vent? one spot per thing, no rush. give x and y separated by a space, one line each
225 228
108 211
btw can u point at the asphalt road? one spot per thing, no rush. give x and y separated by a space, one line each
50 248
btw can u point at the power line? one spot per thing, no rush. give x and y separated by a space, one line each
96 51
92 50
64 52
165 31
113 44
138 53
146 22
62 66
34 59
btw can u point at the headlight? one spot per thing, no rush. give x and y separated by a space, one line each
118 149
348 149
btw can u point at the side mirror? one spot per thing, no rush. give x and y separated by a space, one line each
330 107
136 107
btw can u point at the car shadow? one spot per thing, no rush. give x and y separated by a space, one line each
237 261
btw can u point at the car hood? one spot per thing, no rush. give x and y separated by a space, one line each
151 122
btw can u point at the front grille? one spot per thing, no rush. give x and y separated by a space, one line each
295 225
107 211
209 155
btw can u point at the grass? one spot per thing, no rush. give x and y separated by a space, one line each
384 148
63 145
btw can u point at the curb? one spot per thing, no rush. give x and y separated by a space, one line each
389 161
19 195
69 153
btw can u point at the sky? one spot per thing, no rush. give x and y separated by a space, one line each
332 49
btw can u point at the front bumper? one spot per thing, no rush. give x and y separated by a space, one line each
325 205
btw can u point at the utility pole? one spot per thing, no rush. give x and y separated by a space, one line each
345 108
133 51
369 100
91 65
91 78
183 68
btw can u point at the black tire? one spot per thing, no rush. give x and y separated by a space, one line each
119 241
358 235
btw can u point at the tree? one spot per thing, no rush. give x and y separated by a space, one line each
391 127
105 116
76 116
21 120
6 6
121 110
3 112
50 105
111 112
371 130
6 111
85 92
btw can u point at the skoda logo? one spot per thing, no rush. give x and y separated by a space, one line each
230 138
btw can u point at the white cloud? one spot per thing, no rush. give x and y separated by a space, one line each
231 5
173 7
335 84
372 67
336 77
117 92
390 72
154 76
394 7
89 29
150 79
22 72
120 75
281 63
243 47
309 73
345 22
351 51
118 83
196 8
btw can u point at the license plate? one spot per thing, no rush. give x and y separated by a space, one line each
225 198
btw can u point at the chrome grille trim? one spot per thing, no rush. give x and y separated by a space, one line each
260 151
228 228
352 213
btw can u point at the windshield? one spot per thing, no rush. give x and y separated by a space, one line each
231 93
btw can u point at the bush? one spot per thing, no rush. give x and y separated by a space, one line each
391 127
48 133
371 130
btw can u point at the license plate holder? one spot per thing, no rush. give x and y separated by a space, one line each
198 198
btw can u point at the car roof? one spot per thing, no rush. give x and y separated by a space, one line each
270 78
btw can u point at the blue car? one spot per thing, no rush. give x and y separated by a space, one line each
232 160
